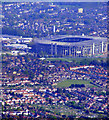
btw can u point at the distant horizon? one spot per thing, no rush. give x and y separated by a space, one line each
54 0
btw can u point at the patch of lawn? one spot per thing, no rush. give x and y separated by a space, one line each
57 59
76 59
67 83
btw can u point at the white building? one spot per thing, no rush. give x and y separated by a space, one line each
19 46
80 10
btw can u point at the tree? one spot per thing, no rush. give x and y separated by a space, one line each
13 77
50 100
68 95
59 90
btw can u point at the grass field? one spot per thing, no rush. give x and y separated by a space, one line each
71 59
67 83
68 59
57 59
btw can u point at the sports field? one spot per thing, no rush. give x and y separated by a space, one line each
76 59
67 83
62 59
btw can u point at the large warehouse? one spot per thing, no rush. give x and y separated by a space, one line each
69 45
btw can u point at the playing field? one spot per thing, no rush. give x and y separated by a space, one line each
67 83
77 59
57 59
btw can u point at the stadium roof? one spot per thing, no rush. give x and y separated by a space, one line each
52 40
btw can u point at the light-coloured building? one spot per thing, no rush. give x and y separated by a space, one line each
80 10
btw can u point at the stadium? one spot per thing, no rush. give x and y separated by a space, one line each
70 45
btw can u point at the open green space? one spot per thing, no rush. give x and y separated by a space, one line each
60 109
58 59
68 59
76 59
67 83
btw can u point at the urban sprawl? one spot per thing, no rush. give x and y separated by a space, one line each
40 84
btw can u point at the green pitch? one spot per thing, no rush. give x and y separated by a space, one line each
67 83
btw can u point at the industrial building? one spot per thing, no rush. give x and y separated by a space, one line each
69 45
